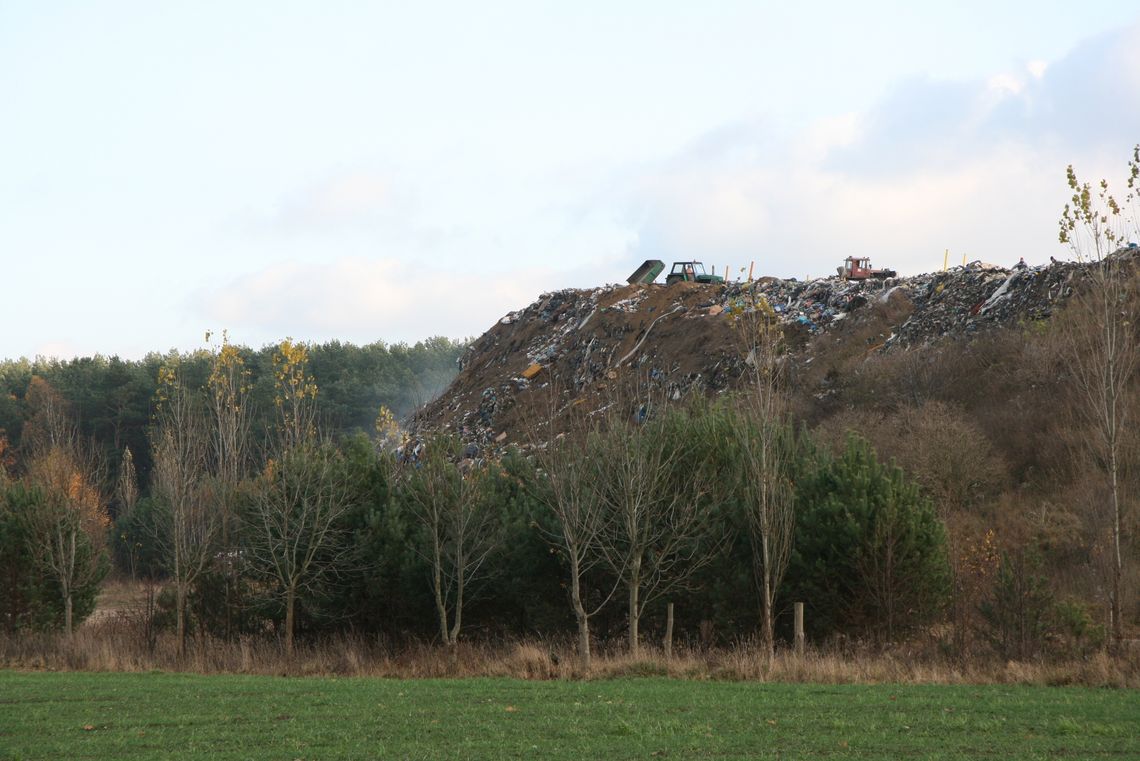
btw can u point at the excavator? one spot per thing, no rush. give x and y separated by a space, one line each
859 268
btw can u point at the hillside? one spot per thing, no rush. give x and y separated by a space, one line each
581 343
963 379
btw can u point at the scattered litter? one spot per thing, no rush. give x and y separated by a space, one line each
684 338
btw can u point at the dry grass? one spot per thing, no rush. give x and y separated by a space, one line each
118 642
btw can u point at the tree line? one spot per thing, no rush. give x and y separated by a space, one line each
111 398
299 533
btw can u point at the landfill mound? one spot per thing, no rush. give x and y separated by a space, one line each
574 347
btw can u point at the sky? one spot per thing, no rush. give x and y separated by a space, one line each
392 171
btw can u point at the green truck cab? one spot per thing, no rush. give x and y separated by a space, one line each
690 272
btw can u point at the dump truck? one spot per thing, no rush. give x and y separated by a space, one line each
859 268
691 272
647 272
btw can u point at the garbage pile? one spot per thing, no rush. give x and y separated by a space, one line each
577 347
959 303
574 347
954 303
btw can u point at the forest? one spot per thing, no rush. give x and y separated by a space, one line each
301 532
111 399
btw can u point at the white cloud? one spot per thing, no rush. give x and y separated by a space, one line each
352 198
62 349
976 167
346 197
1006 83
364 300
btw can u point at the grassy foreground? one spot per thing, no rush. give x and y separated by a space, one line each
136 716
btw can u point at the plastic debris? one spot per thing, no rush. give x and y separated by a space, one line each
680 339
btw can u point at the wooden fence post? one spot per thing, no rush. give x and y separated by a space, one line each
669 631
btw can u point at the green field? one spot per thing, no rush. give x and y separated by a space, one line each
137 716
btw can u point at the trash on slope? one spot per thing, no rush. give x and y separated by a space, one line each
681 338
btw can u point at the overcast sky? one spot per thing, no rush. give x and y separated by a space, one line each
390 171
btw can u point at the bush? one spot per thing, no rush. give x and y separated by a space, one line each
29 597
870 554
1016 613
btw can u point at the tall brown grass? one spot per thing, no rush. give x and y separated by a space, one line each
119 643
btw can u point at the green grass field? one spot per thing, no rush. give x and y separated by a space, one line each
145 716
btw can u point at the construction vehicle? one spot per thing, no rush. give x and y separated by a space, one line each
647 272
859 268
690 272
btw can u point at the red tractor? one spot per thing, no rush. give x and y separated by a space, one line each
859 268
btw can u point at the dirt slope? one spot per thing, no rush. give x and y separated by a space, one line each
580 344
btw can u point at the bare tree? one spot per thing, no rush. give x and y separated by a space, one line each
568 489
763 443
296 521
651 491
297 526
50 423
228 387
127 487
67 528
127 492
228 390
460 529
186 522
1102 343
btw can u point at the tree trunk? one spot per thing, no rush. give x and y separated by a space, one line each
68 620
180 616
1117 561
799 608
67 613
634 606
581 617
453 656
437 590
290 603
226 601
766 601
456 617
583 641
890 592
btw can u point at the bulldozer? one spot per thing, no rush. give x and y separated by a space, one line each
859 268
690 272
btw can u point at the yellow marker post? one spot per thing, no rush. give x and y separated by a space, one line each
750 266
945 256
963 259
